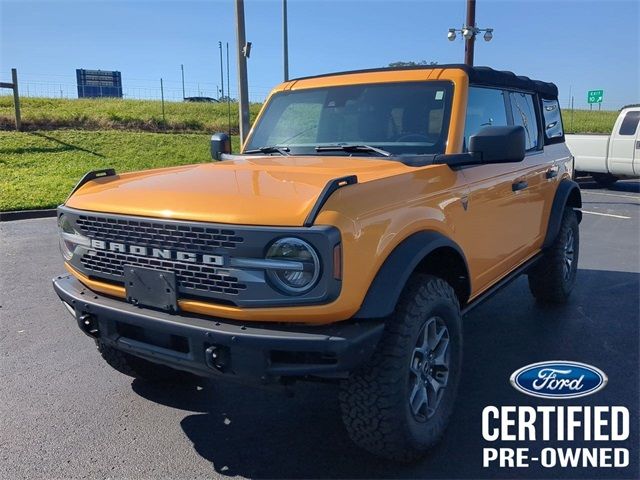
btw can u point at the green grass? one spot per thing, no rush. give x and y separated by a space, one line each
146 115
587 121
38 169
110 113
67 138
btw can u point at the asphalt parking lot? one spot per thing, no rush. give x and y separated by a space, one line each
65 413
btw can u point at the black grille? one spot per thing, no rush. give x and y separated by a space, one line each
157 234
189 277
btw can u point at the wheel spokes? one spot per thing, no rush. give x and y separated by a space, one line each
418 398
429 368
440 352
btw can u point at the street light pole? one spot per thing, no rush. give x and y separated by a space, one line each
182 70
221 72
469 32
285 40
243 88
469 42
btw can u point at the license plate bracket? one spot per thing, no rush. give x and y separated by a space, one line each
151 288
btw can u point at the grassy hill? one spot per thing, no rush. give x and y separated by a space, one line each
146 115
39 169
66 138
119 114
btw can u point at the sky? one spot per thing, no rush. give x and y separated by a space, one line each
579 45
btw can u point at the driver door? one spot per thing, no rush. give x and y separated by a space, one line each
497 229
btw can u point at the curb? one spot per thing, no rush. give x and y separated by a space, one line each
26 214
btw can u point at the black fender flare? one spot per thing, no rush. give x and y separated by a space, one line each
384 292
567 194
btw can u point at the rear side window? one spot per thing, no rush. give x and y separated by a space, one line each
552 119
630 123
524 114
485 107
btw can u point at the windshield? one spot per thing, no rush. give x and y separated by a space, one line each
400 118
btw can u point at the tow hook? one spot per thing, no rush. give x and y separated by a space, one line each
217 357
89 325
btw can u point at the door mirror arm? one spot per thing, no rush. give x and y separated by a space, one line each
455 160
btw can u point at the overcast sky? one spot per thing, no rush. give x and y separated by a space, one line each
579 45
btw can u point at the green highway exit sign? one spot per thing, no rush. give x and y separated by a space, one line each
595 96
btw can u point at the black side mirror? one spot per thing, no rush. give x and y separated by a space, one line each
220 144
498 144
490 145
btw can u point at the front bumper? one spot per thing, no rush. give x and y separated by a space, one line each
212 347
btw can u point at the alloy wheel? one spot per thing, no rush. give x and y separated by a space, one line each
429 369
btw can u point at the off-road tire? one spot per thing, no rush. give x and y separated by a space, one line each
548 280
604 180
375 399
141 369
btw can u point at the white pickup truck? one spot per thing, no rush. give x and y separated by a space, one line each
608 158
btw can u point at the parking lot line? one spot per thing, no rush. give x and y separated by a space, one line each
624 217
633 197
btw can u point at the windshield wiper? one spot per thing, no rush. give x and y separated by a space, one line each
352 148
269 149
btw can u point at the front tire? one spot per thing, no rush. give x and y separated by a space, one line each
141 369
554 276
399 404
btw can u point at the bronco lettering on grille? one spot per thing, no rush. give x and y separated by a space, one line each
217 260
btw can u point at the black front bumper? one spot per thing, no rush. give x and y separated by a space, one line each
212 347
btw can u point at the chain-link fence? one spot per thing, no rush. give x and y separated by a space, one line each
65 86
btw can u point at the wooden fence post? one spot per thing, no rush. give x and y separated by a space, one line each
16 98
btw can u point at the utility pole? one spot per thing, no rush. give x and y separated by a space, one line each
285 40
469 42
228 91
164 121
182 69
243 88
221 72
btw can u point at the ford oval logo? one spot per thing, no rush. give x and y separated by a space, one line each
558 379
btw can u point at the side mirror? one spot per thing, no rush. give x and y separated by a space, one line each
498 144
490 145
220 144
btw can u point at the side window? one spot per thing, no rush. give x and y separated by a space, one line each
485 107
524 114
630 123
552 119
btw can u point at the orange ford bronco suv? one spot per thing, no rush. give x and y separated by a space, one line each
367 212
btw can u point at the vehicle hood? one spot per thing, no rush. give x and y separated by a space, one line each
265 190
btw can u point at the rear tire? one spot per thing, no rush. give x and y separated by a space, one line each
398 405
141 369
554 276
604 180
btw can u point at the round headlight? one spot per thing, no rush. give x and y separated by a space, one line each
70 238
296 265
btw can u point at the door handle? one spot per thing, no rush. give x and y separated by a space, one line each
551 173
638 145
521 185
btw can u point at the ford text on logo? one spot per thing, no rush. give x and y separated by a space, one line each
558 379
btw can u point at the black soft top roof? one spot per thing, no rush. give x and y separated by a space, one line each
477 76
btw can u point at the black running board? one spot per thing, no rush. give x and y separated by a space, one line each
502 283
